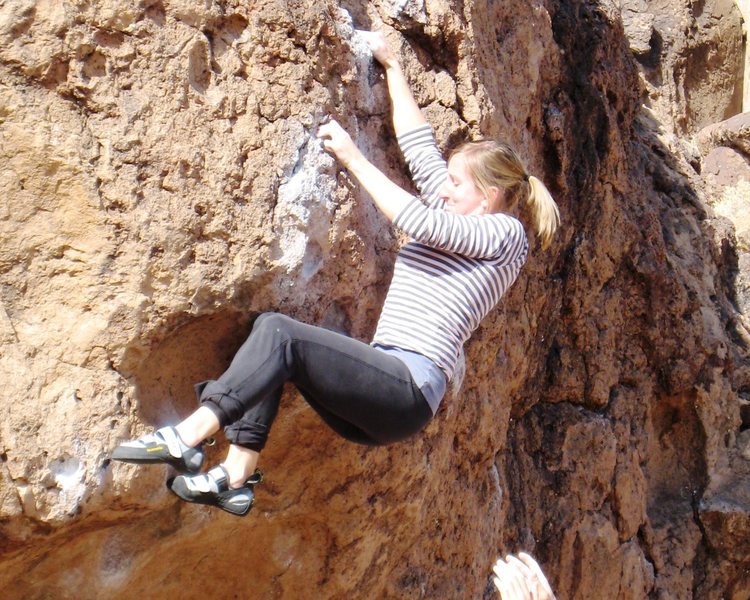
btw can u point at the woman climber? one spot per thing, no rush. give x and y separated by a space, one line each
466 249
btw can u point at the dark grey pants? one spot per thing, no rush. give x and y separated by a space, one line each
365 395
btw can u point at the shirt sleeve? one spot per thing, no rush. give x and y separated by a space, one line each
426 164
497 236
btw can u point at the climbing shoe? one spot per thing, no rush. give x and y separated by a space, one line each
161 446
212 488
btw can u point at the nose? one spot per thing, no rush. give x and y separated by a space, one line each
444 192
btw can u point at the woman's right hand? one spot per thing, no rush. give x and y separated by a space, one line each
379 47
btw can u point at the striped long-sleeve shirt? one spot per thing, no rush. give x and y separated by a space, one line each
452 272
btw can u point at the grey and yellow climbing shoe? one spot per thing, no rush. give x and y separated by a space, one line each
161 446
212 488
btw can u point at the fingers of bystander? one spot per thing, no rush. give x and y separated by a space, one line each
521 579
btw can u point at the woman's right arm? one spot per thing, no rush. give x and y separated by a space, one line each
406 112
415 137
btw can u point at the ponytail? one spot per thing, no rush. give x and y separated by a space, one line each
494 164
544 211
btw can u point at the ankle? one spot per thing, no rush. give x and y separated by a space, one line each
197 427
240 463
182 435
181 441
236 478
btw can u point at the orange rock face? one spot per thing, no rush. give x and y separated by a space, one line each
161 186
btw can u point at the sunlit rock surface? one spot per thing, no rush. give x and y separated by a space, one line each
160 186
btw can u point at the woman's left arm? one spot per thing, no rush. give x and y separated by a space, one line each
496 237
388 197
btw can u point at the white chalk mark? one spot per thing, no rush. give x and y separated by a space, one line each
304 210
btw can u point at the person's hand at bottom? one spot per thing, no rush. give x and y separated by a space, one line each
521 578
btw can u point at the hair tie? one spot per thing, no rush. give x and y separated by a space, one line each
525 177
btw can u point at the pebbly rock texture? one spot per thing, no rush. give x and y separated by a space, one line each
162 186
725 162
691 58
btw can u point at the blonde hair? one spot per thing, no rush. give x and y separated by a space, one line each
494 164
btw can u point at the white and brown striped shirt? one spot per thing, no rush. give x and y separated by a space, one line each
452 272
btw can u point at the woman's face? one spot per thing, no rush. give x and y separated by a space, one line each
461 195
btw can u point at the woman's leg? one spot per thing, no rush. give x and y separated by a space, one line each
230 484
197 427
364 394
240 464
345 380
248 437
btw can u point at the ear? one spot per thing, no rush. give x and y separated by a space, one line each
492 201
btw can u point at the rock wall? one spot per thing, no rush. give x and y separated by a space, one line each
161 187
744 6
691 56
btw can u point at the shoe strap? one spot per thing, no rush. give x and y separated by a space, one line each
220 476
173 441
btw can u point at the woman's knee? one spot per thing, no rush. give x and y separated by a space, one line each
272 321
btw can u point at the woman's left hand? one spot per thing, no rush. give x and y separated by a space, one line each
339 142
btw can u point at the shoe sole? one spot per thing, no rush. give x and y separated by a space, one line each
151 456
221 500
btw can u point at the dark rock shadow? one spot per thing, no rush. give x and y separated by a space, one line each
610 172
193 352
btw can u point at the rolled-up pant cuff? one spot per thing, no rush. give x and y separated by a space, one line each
220 400
252 436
